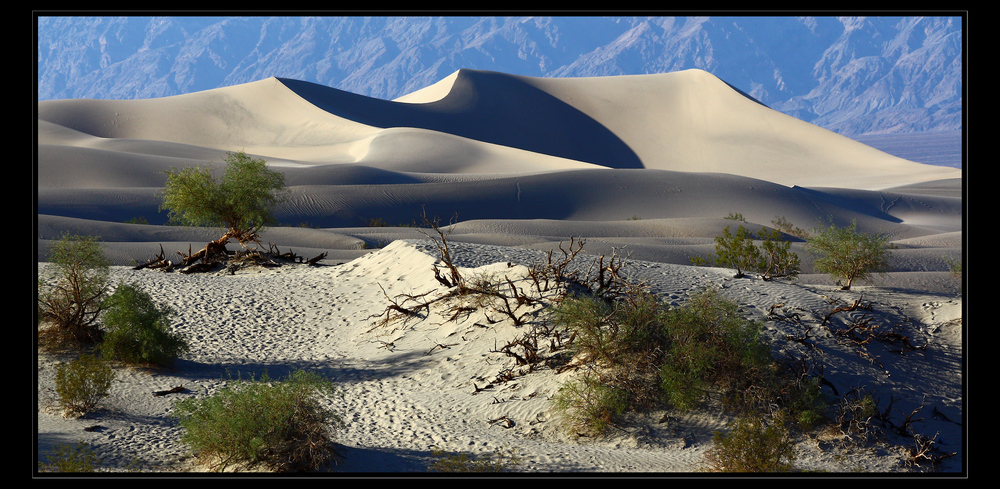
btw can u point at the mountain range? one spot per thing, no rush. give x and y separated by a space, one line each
853 75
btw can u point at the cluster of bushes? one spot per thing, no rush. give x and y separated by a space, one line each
77 311
772 259
280 425
841 251
641 353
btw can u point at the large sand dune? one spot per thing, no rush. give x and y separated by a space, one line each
648 166
484 145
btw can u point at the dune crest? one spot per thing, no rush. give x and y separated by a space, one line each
492 147
684 121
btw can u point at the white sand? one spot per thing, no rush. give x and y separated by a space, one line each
648 164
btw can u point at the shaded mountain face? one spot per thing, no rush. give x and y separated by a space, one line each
854 76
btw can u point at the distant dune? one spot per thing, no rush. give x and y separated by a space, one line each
520 159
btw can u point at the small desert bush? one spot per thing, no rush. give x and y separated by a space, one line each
847 254
772 259
278 425
82 383
613 332
589 406
77 457
494 463
737 250
776 258
138 329
72 303
752 445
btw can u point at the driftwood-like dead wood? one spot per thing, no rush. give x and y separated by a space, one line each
529 348
556 271
212 251
441 346
198 267
503 421
215 254
157 262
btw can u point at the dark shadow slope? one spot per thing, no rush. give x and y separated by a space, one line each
489 107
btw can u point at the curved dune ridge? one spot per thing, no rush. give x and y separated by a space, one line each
489 147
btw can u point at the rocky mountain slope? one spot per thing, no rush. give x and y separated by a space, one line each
859 75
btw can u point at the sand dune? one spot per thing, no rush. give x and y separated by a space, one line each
492 147
647 166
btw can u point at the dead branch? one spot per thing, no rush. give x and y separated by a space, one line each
853 307
441 346
444 250
507 422
315 260
906 427
556 272
157 262
397 306
922 451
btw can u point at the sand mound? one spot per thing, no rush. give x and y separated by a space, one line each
411 387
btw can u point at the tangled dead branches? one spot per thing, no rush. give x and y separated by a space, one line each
215 256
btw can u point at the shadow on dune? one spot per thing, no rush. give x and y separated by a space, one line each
488 107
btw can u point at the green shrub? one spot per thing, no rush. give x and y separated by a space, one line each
955 267
82 383
806 402
776 259
495 463
752 446
137 220
848 255
260 423
611 332
712 346
138 329
737 251
78 457
623 337
589 406
72 304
